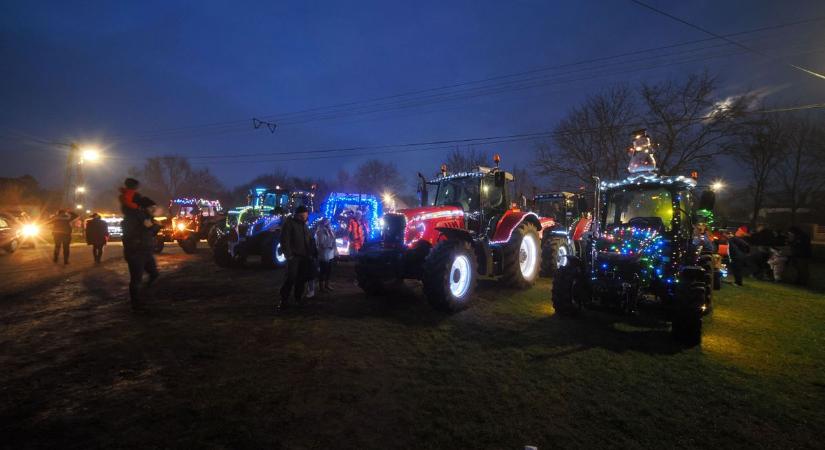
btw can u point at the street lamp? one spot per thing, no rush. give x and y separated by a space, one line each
89 155
80 189
717 186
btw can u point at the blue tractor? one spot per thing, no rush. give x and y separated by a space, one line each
339 206
254 229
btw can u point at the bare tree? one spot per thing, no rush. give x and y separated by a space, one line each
591 140
169 177
801 167
690 125
376 176
758 150
465 160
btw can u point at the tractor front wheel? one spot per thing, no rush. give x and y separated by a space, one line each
521 258
213 235
189 245
554 254
221 252
450 275
687 319
271 255
567 289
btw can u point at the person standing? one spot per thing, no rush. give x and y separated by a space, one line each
138 241
97 233
325 243
356 233
801 252
297 246
738 250
62 233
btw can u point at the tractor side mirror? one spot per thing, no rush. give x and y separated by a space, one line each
707 200
500 179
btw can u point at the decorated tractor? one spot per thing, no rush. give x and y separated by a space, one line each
465 228
571 220
189 221
254 229
642 250
339 207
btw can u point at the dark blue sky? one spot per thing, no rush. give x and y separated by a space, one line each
117 72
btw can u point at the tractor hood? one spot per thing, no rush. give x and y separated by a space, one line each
425 213
628 243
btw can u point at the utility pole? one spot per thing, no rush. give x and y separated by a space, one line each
74 188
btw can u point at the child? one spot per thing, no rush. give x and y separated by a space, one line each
129 196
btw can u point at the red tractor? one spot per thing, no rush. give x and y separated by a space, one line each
465 228
570 221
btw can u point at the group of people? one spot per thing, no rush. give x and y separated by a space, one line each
767 254
309 257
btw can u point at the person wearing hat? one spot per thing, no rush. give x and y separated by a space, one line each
325 243
139 231
298 247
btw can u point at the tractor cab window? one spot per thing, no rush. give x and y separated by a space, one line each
460 192
492 196
184 210
273 200
302 200
553 208
432 191
647 207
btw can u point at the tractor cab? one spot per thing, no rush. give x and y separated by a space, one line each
302 198
564 208
481 195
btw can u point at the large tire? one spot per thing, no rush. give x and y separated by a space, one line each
212 235
189 245
12 246
687 318
159 244
450 275
271 255
221 252
554 253
521 257
367 281
568 289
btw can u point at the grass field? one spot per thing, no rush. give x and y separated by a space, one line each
210 366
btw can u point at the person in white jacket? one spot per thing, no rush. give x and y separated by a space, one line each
325 242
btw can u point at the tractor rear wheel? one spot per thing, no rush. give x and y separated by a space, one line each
450 275
687 319
212 235
554 254
567 289
521 258
368 281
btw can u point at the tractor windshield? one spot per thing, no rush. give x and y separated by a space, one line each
553 207
183 210
647 206
461 192
302 200
275 200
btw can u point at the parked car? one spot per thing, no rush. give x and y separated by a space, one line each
9 236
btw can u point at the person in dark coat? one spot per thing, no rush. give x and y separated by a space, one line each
97 233
738 251
800 253
139 231
299 250
62 233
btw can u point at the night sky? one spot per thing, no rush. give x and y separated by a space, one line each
122 74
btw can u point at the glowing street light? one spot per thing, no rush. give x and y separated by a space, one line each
717 186
79 206
80 189
91 155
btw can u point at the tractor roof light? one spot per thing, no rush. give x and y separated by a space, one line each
497 159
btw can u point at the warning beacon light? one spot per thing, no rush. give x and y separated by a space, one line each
497 159
443 170
641 154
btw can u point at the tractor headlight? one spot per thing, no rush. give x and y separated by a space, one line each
181 226
30 230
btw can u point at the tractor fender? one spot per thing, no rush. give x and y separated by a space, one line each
510 221
581 227
455 233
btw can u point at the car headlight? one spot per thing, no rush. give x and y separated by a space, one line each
181 226
30 230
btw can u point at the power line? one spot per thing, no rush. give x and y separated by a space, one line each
725 38
222 126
